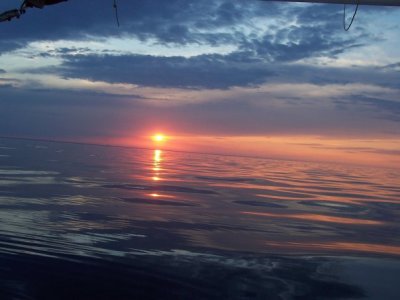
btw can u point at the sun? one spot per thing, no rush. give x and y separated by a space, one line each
159 137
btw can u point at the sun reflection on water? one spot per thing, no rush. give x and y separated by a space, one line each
157 159
157 156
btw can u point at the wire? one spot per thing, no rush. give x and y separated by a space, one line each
345 27
116 11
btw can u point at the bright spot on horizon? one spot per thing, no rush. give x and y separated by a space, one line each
159 137
157 195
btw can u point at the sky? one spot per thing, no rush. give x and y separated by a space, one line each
242 77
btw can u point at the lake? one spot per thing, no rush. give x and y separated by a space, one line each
95 222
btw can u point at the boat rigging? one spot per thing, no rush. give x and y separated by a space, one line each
27 4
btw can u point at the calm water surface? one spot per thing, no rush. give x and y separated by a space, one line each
91 222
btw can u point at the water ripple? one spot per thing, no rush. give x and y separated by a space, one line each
188 226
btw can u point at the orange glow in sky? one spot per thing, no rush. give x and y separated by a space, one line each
378 152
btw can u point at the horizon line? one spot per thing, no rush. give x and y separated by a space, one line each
189 152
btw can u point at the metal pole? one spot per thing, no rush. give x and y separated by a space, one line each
361 2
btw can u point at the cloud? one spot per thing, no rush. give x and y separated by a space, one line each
395 66
204 71
313 30
212 71
273 52
384 108
301 42
310 32
10 45
7 82
171 21
84 114
266 83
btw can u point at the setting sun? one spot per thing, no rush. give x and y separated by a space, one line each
159 138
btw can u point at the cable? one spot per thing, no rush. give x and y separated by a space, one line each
116 11
347 28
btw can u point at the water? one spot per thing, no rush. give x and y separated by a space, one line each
92 222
